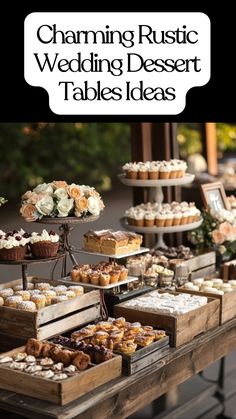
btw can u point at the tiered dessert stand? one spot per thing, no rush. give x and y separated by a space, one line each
115 286
156 195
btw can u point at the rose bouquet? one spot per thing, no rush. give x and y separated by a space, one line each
217 232
58 199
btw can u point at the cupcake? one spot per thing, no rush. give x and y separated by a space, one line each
114 276
169 219
39 300
123 273
149 219
13 301
126 168
49 294
139 218
78 290
142 171
160 219
153 171
42 286
84 276
104 279
13 245
27 306
174 169
60 289
184 218
164 170
177 218
75 275
94 277
132 172
44 245
6 292
24 294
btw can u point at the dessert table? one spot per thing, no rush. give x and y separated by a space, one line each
126 395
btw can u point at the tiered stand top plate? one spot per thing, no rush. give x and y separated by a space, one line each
67 281
68 220
188 178
154 229
123 256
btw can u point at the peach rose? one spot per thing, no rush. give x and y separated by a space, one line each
81 204
226 228
59 184
74 191
28 211
218 237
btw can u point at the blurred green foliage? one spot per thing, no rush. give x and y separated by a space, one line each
76 152
189 138
90 153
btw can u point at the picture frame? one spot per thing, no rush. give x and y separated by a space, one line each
214 196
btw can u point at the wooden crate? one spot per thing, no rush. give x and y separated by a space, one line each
145 356
50 320
201 265
62 392
227 303
182 328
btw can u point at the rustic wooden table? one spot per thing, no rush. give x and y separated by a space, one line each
126 395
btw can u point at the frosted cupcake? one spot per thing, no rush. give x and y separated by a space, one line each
149 219
164 171
160 219
185 215
143 171
169 219
132 172
174 169
13 245
153 171
139 218
177 218
44 245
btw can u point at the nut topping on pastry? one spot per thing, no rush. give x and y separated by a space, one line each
45 374
31 369
58 377
21 366
30 359
58 367
46 362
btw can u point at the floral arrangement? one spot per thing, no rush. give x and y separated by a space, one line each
58 199
2 200
218 231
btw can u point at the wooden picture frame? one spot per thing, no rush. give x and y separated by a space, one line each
214 196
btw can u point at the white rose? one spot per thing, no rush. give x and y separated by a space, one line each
60 193
44 187
93 205
45 205
222 249
64 206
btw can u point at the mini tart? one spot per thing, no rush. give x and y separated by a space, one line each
13 301
42 286
27 306
116 337
104 326
39 300
159 334
24 294
126 347
119 322
82 334
144 340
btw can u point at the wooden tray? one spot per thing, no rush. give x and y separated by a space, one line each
227 302
59 392
182 328
202 264
50 320
144 356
